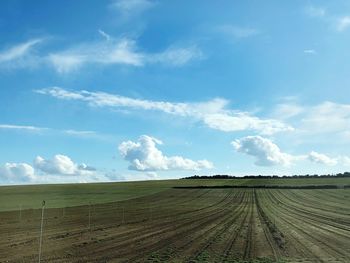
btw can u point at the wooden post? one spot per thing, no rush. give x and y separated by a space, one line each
41 229
150 212
20 213
90 216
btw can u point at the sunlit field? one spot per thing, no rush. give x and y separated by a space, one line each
153 222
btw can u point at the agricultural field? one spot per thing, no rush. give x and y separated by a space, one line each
158 223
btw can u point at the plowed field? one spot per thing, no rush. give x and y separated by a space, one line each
188 225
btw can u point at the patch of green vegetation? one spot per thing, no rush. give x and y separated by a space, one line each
257 260
65 195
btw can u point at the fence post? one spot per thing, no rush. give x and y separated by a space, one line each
20 212
41 229
90 216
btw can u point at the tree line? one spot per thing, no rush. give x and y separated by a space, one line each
225 176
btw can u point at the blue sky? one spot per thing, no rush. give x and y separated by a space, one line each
141 89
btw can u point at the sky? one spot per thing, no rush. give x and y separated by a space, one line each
115 90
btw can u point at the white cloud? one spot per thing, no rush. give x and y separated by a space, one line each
323 118
21 127
104 34
16 172
345 160
237 32
144 155
343 23
310 51
108 51
326 117
152 175
264 150
287 110
315 11
268 153
241 121
80 133
61 169
177 56
18 51
321 158
214 113
62 165
338 23
65 62
42 130
129 8
122 51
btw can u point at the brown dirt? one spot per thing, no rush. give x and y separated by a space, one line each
186 225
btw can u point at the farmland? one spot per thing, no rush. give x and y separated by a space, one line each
153 222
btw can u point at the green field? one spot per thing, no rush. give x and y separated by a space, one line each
153 222
65 195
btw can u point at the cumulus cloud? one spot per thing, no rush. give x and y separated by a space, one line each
321 158
60 169
144 155
268 153
264 150
61 165
214 113
16 172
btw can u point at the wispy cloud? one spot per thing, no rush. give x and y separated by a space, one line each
21 127
337 22
20 55
129 8
122 51
343 23
237 32
103 52
80 133
310 51
321 158
214 113
324 122
315 11
18 51
44 130
104 34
